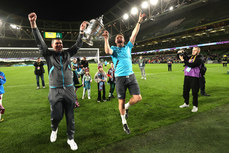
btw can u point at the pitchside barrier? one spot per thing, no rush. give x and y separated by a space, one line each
22 54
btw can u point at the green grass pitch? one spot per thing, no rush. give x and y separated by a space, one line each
27 116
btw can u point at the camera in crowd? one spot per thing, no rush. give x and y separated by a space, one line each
181 53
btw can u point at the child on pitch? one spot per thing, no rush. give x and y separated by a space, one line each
111 81
86 81
2 91
101 78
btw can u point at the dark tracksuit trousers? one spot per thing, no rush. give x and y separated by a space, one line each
202 85
62 101
191 83
112 87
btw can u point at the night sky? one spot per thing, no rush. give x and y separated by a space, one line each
65 10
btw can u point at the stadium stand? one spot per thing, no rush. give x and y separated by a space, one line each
162 29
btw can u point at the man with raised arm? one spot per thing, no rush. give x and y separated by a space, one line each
125 78
61 90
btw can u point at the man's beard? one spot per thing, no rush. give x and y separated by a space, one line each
119 41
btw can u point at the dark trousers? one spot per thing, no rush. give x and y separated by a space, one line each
42 80
99 93
112 87
169 67
63 101
191 83
202 85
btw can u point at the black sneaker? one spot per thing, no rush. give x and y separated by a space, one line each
126 114
126 129
205 94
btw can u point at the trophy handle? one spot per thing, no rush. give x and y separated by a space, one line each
94 29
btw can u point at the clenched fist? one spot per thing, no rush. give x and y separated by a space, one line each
32 19
105 34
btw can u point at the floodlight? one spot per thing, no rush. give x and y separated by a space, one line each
171 8
153 2
145 4
125 16
14 26
134 11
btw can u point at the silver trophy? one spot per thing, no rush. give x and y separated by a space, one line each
93 31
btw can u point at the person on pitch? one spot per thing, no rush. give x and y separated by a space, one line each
111 81
61 93
76 72
191 76
86 81
125 78
2 91
100 78
141 64
39 72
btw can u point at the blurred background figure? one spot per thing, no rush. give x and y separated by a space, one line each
170 62
111 81
224 61
141 63
39 72
2 91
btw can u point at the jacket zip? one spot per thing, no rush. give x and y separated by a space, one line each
62 70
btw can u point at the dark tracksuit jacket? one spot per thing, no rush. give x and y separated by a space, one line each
61 93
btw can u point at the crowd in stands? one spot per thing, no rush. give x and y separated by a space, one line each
157 59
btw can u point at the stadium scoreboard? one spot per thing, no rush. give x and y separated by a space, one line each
52 35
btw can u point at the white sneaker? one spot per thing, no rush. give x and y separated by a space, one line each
145 78
142 78
184 105
72 144
89 97
82 97
53 135
194 109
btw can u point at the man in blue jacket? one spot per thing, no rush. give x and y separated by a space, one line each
61 93
2 91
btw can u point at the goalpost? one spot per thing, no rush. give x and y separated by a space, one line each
22 54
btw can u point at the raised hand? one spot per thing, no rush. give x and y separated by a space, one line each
32 19
141 17
105 34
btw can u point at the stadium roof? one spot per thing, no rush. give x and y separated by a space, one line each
160 21
66 10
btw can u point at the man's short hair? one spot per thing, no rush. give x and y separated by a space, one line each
197 48
119 34
55 39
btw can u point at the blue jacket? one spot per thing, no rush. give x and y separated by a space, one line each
2 81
